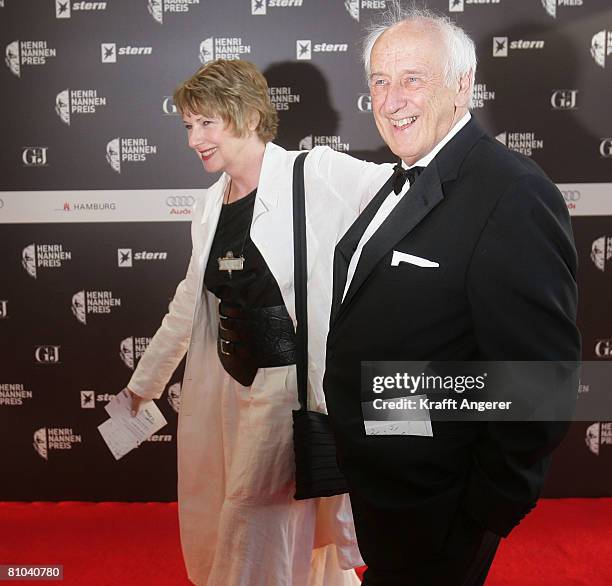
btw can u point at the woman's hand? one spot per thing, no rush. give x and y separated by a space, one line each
136 401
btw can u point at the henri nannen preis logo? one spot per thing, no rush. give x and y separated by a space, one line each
86 303
601 47
601 253
598 434
230 48
19 54
81 101
354 7
45 256
131 349
551 5
120 151
159 8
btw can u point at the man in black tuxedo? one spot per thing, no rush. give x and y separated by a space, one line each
470 258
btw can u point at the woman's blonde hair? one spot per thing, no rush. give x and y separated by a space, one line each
232 90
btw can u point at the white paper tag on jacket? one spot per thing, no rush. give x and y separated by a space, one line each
381 418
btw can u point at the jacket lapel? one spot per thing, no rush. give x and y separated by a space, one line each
211 210
349 242
270 231
416 204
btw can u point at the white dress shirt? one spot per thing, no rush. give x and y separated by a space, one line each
392 200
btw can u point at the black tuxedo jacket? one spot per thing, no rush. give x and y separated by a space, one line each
505 289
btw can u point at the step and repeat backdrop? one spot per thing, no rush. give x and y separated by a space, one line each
97 185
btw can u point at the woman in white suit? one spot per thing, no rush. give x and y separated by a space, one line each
234 314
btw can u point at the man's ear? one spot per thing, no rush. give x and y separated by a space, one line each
466 81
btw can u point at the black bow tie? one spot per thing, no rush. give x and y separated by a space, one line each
400 175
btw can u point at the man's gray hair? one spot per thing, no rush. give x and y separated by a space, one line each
460 49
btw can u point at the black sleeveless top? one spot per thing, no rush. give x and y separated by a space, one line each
254 286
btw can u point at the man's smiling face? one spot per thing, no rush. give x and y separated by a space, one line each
412 105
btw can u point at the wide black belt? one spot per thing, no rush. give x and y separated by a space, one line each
254 338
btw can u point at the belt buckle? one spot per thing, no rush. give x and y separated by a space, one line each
222 317
222 350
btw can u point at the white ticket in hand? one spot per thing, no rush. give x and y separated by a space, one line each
122 432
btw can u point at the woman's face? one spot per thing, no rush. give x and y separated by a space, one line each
214 142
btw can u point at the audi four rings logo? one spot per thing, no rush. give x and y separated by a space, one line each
570 195
180 201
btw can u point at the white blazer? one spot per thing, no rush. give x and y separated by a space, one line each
337 188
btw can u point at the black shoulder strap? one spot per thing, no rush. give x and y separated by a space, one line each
299 278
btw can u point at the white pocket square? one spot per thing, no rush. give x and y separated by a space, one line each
399 257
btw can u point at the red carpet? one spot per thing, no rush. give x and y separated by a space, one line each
562 543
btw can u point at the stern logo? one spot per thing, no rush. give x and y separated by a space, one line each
601 252
459 5
63 8
109 52
502 46
125 256
259 7
305 48
88 399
